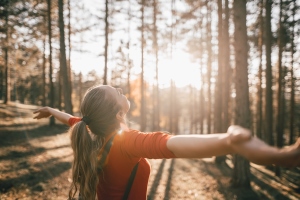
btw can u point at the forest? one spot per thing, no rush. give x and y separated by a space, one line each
186 66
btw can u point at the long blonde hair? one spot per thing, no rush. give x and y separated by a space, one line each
101 108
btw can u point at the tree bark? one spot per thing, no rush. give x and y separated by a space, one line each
143 111
106 43
292 106
70 48
218 120
209 63
51 93
63 61
269 99
241 172
44 74
156 88
280 104
227 73
259 113
6 63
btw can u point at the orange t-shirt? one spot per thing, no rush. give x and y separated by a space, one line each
127 149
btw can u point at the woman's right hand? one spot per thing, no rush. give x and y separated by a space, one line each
42 113
238 134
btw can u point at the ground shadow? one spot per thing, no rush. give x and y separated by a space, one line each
10 137
157 178
22 170
168 186
262 180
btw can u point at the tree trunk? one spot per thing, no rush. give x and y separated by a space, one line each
6 63
70 47
259 88
280 118
241 172
269 100
51 95
209 63
44 73
156 88
218 121
292 106
143 111
129 63
227 73
63 61
106 43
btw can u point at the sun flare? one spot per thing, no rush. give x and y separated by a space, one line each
179 69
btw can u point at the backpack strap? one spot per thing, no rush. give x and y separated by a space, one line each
133 172
102 161
130 181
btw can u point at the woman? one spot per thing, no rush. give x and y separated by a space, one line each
104 109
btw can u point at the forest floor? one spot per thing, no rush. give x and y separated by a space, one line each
35 163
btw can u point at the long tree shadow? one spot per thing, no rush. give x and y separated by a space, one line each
14 154
157 178
168 186
262 181
32 179
222 175
20 165
10 137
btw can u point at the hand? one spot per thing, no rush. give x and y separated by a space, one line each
291 156
42 113
238 134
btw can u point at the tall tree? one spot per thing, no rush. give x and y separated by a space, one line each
218 88
269 100
44 72
209 65
173 108
51 95
292 105
220 80
259 113
129 61
156 110
106 43
143 109
63 60
241 171
6 63
70 47
227 71
280 105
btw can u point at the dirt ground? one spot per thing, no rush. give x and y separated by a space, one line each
35 163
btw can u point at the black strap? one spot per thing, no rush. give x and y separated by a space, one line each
133 172
130 181
101 164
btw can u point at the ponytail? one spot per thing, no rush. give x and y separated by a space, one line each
84 168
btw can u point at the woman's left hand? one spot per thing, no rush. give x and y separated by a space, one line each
42 113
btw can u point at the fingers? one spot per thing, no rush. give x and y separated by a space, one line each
238 134
38 110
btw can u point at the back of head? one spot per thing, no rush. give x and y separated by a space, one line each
100 108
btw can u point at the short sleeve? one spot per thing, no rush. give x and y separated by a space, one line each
147 145
73 120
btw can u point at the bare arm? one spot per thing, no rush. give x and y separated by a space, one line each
48 111
236 140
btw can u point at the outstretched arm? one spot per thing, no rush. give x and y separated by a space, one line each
237 140
48 111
